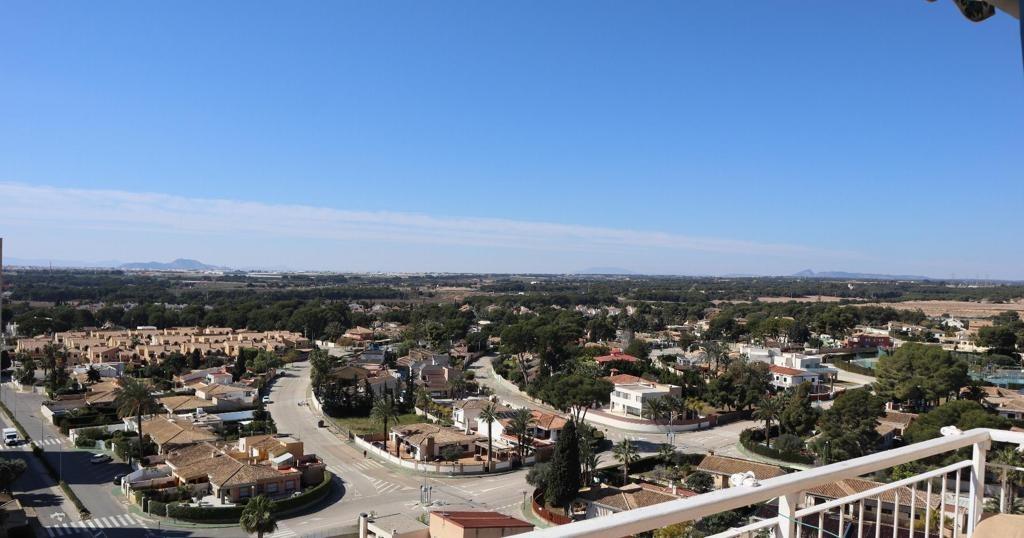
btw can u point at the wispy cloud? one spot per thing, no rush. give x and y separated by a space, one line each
113 211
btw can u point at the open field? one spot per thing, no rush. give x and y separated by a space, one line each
365 425
966 309
807 299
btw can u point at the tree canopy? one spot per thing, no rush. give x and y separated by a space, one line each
920 375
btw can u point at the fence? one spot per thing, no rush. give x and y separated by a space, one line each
545 514
430 466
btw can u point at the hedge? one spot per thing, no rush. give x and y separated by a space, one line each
746 439
308 497
230 514
24 434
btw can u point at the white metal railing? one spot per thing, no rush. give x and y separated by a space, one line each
791 522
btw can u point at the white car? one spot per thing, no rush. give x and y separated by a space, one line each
266 399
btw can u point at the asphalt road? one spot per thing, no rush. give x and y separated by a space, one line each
371 485
92 483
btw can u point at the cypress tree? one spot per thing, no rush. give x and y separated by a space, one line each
564 469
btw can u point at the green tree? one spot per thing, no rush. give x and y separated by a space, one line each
699 481
10 470
519 426
625 452
92 375
667 453
258 516
489 415
564 468
848 427
575 394
768 409
655 409
133 397
964 414
677 530
920 376
798 416
384 411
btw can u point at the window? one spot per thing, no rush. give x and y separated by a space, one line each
272 487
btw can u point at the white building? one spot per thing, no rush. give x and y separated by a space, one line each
786 378
631 392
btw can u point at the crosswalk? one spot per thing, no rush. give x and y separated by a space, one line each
51 441
357 467
367 464
88 526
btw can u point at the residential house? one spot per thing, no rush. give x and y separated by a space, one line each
464 524
787 378
604 500
614 356
630 393
465 413
173 432
722 467
425 442
228 396
890 513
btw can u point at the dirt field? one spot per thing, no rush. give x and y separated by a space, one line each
807 299
965 309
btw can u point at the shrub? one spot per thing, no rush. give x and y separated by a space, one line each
750 441
700 482
230 514
788 443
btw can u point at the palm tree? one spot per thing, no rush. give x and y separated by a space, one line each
489 415
654 409
258 516
768 409
382 412
674 406
626 454
519 425
693 407
134 398
667 452
1009 477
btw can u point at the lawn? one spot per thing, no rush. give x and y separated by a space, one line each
364 425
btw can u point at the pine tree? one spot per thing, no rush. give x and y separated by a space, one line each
564 469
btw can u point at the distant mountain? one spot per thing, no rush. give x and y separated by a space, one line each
605 271
181 264
807 273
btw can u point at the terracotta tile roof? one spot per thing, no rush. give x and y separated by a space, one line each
782 370
547 421
165 430
615 357
623 379
185 403
853 486
723 465
481 520
897 419
626 498
418 433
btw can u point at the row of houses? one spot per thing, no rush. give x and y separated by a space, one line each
93 346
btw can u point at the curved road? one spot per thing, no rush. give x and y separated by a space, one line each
720 439
371 485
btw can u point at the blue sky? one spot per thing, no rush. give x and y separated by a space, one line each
664 137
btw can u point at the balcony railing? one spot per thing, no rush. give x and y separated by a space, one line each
939 505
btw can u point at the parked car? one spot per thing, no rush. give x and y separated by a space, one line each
118 479
266 399
100 458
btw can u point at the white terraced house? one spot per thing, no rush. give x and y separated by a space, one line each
807 504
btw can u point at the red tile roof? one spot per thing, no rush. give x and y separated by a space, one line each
623 379
784 371
481 520
616 357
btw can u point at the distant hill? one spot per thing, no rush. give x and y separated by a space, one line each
807 273
605 271
181 264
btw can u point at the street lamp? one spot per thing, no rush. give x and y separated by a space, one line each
524 498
